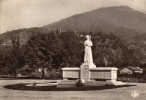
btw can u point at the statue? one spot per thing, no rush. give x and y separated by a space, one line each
88 59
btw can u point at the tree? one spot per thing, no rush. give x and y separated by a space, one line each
44 51
72 50
108 49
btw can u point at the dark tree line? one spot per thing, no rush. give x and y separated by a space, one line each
55 50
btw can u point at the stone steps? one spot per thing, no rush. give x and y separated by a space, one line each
95 83
67 83
115 83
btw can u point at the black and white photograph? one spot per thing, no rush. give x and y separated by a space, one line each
72 49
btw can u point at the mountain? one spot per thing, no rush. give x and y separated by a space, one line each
122 20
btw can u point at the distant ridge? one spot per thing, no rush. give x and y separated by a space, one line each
105 19
122 21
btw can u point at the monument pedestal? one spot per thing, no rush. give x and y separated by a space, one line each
84 73
104 75
98 73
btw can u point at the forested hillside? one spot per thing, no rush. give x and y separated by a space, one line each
65 49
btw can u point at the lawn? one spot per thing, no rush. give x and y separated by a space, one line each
137 92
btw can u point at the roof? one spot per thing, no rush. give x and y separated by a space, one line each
136 68
126 71
131 70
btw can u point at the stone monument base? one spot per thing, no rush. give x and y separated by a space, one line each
84 73
98 73
104 75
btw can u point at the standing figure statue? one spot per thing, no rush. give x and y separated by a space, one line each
88 58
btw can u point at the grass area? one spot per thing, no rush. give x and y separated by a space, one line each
70 87
137 92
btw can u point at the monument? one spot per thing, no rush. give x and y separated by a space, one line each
88 60
88 70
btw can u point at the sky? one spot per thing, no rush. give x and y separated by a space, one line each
16 14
